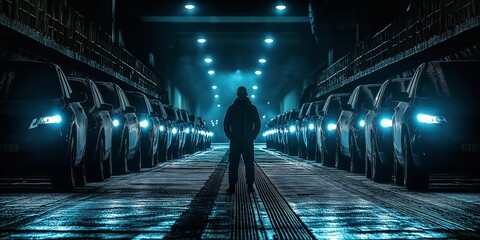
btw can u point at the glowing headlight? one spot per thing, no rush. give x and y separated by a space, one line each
162 128
210 134
430 119
116 122
331 126
45 120
187 130
144 123
292 129
385 122
361 123
311 126
174 130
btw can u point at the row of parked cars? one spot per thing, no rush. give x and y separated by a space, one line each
402 130
78 130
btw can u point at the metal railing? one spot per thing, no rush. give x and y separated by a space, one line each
68 28
427 20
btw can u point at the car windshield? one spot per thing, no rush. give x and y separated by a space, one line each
450 80
109 95
19 82
170 112
138 102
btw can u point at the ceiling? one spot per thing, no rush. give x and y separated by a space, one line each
235 32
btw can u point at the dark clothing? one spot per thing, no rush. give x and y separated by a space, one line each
241 126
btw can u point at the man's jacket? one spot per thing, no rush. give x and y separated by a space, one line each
242 122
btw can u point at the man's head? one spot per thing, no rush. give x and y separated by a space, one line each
242 92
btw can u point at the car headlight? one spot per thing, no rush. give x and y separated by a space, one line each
174 130
386 123
361 123
162 128
45 120
331 126
187 130
116 122
311 126
430 119
292 129
144 123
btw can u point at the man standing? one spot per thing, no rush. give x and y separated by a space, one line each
241 126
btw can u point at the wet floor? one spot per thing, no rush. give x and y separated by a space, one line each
294 199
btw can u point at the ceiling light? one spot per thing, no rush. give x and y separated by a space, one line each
255 87
216 95
262 60
268 103
253 96
218 105
208 60
211 72
268 40
281 7
190 6
258 72
201 40
214 87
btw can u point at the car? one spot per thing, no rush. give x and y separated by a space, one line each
126 142
302 150
435 127
173 123
308 126
44 126
165 133
149 127
378 131
326 126
187 133
289 130
350 129
98 162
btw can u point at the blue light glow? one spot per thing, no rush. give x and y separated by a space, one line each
201 40
385 122
258 72
361 123
187 130
162 128
116 122
331 126
190 6
311 126
430 119
144 123
174 130
268 40
292 129
281 7
45 120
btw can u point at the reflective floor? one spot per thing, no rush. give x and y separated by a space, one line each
294 199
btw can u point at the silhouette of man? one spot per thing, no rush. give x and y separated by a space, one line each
241 126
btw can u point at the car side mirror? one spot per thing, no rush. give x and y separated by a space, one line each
399 97
130 109
367 106
106 107
78 97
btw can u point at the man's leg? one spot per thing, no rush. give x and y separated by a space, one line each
234 160
248 159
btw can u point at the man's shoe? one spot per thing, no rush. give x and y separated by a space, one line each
250 189
231 189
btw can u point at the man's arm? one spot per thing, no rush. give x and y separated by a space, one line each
256 123
227 122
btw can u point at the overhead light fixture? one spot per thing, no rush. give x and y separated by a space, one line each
268 40
218 105
216 95
208 60
253 96
190 6
262 60
268 103
255 87
211 72
281 7
201 40
258 72
214 87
